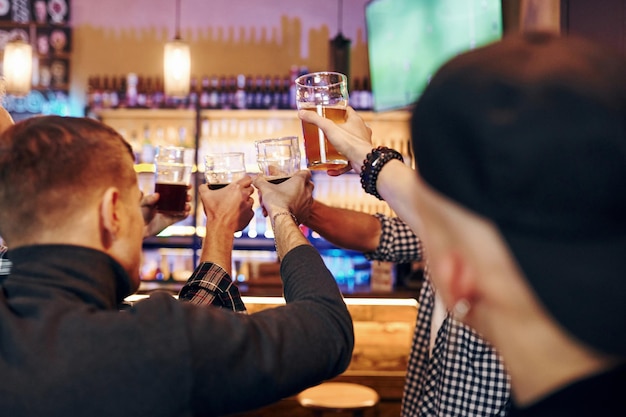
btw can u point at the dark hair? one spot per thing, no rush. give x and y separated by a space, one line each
50 165
530 133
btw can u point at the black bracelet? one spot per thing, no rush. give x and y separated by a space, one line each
373 164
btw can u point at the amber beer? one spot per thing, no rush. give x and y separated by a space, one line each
320 153
172 197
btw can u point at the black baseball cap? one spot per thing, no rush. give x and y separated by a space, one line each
530 133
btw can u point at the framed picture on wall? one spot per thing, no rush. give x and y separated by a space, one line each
17 11
53 41
53 73
55 12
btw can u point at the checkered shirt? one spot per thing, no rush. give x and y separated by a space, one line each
211 285
464 376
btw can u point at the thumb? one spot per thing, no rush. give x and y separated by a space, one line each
259 182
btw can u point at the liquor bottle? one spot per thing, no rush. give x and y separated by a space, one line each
222 93
293 74
285 97
121 92
192 99
231 89
106 93
214 99
149 92
147 148
96 94
205 93
114 98
249 92
276 93
268 97
258 92
131 90
89 94
240 93
141 92
158 97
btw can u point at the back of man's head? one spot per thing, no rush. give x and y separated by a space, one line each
52 167
530 133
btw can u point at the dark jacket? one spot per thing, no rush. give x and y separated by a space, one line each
66 350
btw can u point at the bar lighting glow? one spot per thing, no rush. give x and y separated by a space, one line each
176 63
177 68
406 302
18 67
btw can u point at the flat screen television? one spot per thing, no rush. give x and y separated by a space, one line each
408 40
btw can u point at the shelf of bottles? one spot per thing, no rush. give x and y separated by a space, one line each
171 256
223 92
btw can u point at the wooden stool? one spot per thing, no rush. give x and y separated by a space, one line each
338 396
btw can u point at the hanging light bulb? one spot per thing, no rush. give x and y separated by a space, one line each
18 67
177 63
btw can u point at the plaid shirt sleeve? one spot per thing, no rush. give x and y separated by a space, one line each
397 244
5 264
211 285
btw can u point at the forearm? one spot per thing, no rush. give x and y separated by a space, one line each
347 229
217 248
398 185
287 233
313 330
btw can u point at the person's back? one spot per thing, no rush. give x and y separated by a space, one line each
74 227
520 153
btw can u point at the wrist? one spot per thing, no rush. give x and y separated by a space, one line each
373 164
284 213
311 220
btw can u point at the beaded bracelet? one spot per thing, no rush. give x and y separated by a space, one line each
373 164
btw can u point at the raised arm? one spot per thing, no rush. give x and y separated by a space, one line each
227 211
396 183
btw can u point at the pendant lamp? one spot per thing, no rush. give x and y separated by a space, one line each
176 63
340 49
18 67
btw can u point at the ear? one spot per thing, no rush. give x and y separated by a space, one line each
456 278
110 207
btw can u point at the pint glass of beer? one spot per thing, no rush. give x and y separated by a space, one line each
173 166
325 93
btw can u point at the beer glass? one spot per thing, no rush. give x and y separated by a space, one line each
278 158
325 93
223 168
172 176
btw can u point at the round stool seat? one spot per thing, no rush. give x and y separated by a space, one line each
338 396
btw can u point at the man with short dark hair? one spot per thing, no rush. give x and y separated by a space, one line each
70 214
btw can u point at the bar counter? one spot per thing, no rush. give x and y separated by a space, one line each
383 328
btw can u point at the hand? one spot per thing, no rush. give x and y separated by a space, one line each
6 120
294 195
156 221
229 207
352 138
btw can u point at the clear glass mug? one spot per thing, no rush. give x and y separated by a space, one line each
220 169
172 176
278 158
